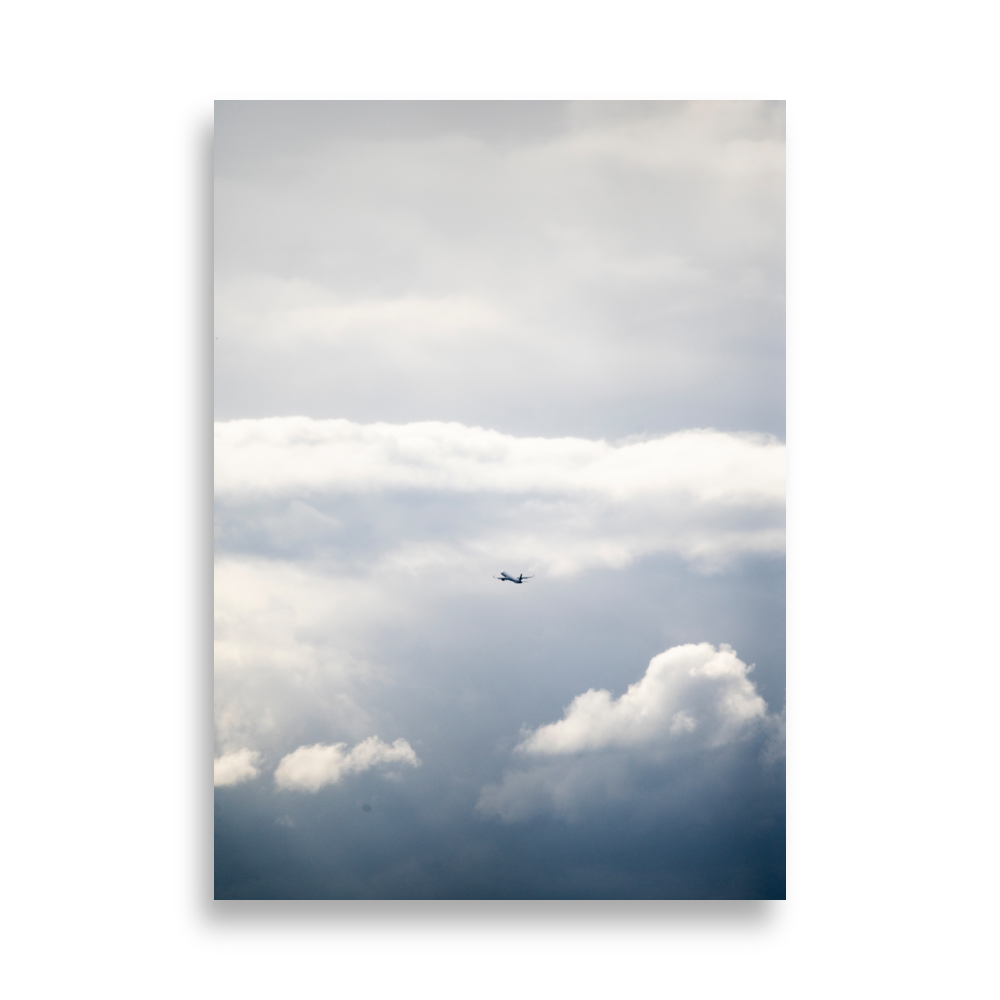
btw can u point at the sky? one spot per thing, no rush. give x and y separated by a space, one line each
460 338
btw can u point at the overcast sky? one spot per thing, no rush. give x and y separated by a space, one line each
460 338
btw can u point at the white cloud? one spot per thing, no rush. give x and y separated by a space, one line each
300 625
560 505
291 455
294 647
692 699
236 767
691 693
311 767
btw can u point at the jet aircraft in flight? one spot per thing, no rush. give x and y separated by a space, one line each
513 579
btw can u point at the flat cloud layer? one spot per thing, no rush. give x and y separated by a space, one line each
310 768
590 268
558 504
296 454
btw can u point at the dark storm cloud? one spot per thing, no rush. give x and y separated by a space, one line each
709 827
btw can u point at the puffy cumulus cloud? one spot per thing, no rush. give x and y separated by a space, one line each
691 693
309 768
236 767
694 706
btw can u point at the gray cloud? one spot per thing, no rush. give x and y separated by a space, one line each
570 268
458 338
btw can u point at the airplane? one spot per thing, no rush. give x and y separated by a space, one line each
513 579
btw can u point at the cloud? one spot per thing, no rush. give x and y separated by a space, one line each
774 748
311 767
236 767
718 136
691 693
694 703
619 266
503 321
561 505
282 455
293 647
324 527
296 313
